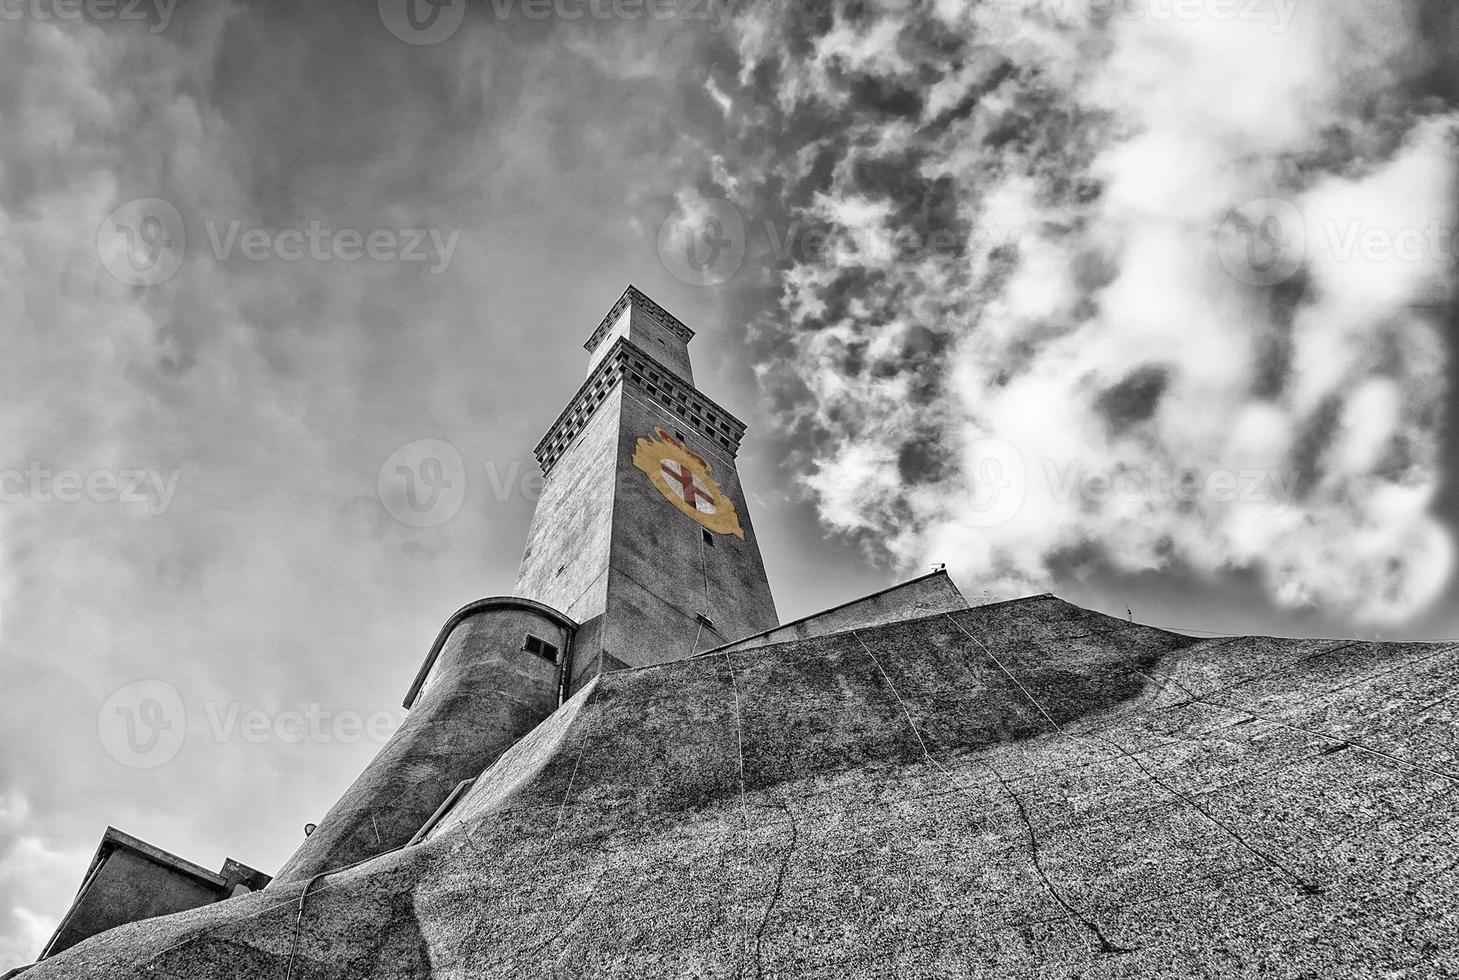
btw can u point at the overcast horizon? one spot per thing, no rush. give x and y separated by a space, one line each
1152 310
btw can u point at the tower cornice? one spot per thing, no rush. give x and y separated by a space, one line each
630 365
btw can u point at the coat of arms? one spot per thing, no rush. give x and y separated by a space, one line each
683 478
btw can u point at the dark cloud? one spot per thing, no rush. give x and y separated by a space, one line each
1133 400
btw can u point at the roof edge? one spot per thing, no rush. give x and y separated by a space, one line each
843 605
111 839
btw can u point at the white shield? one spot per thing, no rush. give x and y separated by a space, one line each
687 485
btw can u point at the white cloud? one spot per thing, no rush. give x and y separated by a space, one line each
1113 337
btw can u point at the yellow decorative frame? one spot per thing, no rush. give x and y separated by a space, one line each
650 455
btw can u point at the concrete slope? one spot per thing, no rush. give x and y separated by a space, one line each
1020 790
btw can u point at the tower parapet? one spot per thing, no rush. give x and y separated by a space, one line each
649 326
626 363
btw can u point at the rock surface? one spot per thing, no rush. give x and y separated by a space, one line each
1019 790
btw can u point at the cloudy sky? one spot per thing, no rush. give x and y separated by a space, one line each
1146 304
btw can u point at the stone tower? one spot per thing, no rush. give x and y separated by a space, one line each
641 551
642 534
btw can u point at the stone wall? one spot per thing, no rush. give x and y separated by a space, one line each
1019 790
483 692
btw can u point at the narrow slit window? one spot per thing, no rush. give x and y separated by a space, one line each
540 647
708 538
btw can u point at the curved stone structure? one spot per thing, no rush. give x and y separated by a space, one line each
1018 790
478 692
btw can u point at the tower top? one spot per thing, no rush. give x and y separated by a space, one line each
635 348
646 324
635 297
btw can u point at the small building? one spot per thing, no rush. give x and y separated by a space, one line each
129 880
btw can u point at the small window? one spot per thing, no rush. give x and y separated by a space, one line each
539 646
560 569
705 620
678 435
708 538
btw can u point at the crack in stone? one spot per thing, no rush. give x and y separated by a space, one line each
775 894
1103 944
571 920
1305 886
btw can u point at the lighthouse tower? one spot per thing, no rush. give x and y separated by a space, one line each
642 534
641 550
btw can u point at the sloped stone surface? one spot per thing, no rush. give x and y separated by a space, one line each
1021 790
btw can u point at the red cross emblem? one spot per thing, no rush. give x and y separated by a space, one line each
691 489
682 476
